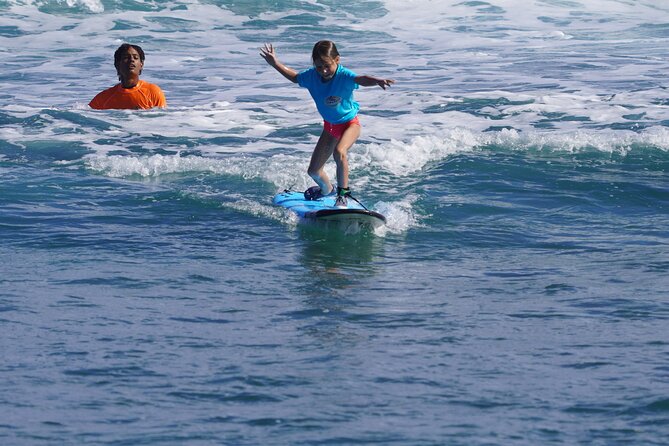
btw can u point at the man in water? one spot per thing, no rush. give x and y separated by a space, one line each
131 92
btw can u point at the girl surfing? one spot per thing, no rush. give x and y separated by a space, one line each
331 86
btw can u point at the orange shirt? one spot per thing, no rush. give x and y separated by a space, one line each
143 95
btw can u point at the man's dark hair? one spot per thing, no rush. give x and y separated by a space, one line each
120 51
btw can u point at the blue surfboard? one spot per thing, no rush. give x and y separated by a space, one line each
324 210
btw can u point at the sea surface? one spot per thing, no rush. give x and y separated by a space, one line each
151 294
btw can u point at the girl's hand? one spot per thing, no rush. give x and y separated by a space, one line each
267 52
383 83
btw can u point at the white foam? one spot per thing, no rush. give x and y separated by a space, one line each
218 87
577 141
92 5
405 158
269 211
400 215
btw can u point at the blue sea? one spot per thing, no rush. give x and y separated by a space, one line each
151 294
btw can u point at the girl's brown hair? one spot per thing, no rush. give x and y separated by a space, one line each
324 49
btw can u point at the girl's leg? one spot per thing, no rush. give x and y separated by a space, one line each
340 155
324 148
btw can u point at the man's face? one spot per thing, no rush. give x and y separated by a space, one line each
130 64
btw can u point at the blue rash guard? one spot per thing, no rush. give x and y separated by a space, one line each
334 99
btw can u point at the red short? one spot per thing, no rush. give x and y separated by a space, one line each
337 130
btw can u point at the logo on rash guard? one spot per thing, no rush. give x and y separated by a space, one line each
332 101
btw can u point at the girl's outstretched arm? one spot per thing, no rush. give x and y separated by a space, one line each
370 81
269 54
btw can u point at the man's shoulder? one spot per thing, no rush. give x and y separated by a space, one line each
100 99
110 90
154 93
149 86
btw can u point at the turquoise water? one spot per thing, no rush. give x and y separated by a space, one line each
151 294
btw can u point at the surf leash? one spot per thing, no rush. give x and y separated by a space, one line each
357 201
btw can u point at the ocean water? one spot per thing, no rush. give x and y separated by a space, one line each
151 294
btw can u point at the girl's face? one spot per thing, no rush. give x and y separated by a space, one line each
326 67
